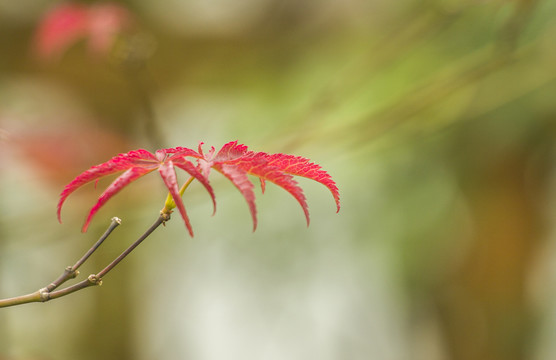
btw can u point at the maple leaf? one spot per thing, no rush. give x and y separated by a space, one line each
136 164
67 23
233 160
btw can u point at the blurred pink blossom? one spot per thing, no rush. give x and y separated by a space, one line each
66 24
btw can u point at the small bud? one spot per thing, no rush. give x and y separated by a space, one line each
93 279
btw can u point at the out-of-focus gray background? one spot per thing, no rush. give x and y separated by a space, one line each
436 119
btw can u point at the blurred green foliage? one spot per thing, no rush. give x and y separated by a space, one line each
436 119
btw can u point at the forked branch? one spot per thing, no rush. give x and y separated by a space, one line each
49 292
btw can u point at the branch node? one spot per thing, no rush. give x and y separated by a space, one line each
94 280
44 294
165 215
72 274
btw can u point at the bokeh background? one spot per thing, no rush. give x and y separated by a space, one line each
436 118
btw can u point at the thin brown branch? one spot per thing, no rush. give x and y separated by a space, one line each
90 281
37 296
161 220
71 271
115 222
48 293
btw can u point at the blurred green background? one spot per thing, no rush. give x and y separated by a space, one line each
436 118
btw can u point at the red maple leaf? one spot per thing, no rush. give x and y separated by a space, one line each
233 160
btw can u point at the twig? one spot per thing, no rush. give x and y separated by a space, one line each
48 293
161 220
71 271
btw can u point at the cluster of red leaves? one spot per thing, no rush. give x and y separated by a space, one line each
65 24
233 160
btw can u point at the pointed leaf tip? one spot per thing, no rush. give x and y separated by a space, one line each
117 185
300 166
241 181
233 160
